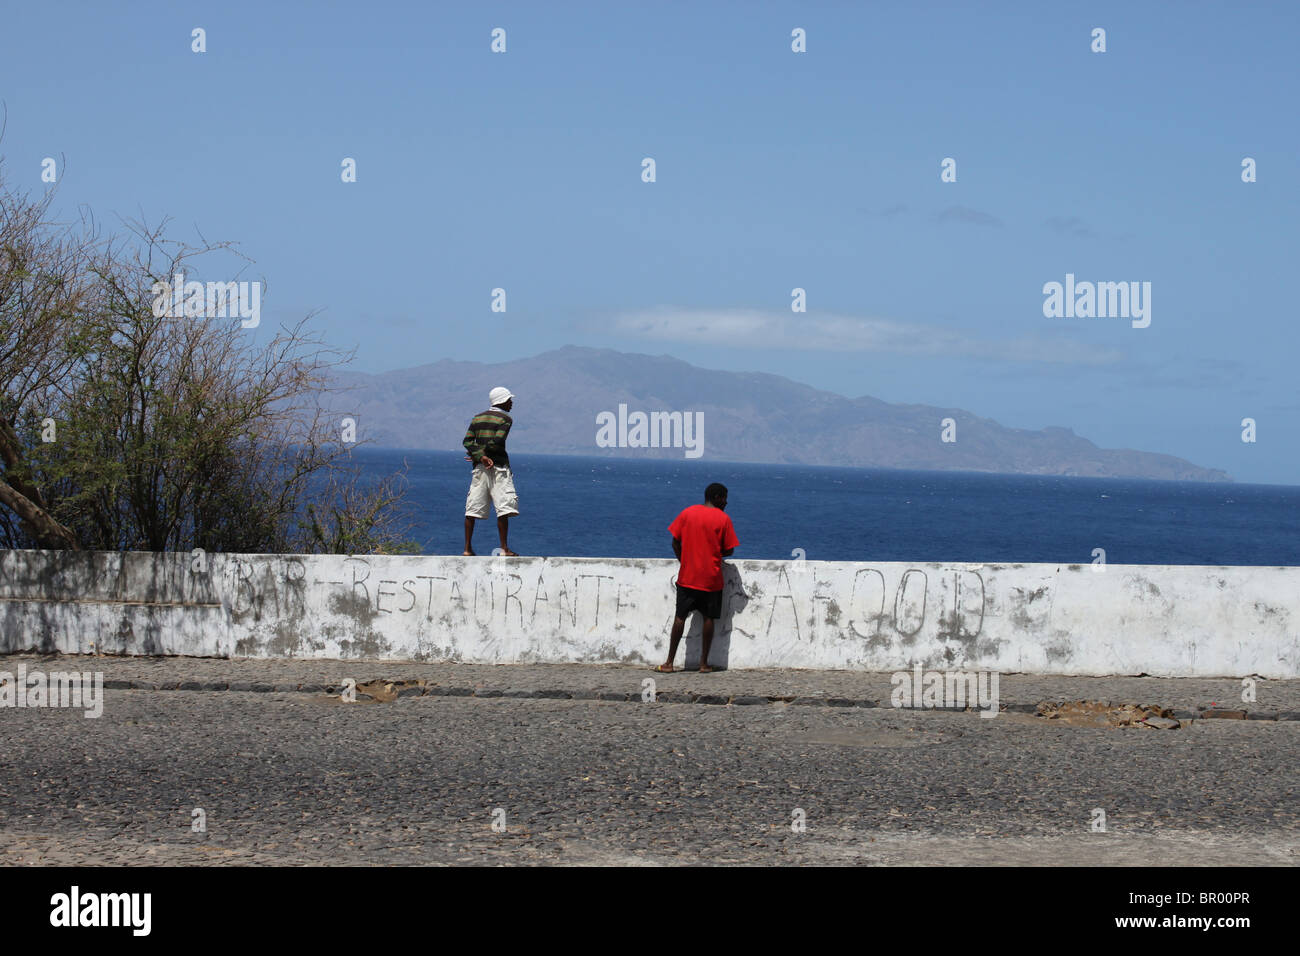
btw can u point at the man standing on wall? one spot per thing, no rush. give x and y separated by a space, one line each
485 441
702 536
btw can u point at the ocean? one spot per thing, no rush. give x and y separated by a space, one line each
619 507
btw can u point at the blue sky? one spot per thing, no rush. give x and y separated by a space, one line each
775 170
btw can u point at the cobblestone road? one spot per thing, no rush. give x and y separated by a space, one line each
305 777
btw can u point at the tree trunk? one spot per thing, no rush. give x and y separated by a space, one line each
37 522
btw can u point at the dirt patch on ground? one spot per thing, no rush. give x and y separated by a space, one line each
386 691
1102 713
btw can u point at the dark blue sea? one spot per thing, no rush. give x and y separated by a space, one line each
617 507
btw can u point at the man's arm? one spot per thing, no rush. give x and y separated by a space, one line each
729 538
677 548
472 447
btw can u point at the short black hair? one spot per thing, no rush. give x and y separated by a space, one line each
715 490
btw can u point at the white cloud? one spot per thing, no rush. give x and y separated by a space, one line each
974 217
751 328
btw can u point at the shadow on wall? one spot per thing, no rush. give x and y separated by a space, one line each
734 600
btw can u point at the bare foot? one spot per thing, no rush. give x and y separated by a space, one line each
706 669
469 554
664 669
507 553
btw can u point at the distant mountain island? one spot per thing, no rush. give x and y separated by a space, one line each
571 397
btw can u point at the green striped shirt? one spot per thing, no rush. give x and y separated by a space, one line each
487 436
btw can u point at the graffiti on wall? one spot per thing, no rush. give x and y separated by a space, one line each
846 602
950 603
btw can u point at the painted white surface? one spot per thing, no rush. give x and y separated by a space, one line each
1036 618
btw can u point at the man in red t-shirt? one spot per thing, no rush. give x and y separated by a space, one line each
702 537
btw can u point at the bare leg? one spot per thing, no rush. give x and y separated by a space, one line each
503 528
706 638
469 535
674 638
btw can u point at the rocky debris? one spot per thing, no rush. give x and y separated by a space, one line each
1162 723
1102 713
386 691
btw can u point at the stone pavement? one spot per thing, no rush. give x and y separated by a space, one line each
452 778
1187 697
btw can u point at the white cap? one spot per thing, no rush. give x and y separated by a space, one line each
499 396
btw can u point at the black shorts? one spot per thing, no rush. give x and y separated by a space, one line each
708 603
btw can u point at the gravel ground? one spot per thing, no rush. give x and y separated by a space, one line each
1189 695
305 777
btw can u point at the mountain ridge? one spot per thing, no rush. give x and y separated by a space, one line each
747 416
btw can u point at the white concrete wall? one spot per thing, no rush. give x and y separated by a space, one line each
1037 618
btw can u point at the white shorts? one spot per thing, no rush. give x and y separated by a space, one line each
495 483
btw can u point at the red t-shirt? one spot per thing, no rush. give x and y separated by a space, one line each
705 532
